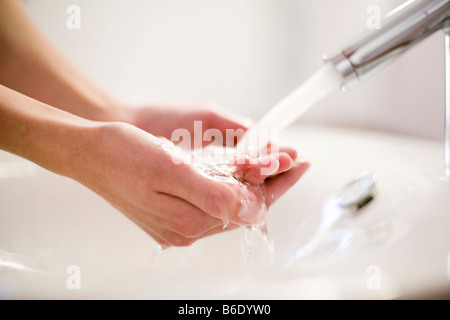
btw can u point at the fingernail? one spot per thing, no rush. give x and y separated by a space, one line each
290 166
295 155
274 165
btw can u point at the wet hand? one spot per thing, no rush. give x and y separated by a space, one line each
177 204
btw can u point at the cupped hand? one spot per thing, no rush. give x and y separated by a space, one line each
161 120
179 203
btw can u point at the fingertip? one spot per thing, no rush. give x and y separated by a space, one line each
265 166
292 153
303 163
279 184
286 162
274 165
271 148
300 166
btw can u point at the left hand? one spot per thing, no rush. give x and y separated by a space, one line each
162 120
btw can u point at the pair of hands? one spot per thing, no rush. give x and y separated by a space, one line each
177 204
116 151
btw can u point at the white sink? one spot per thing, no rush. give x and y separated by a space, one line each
396 246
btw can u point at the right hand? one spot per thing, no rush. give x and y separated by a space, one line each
176 204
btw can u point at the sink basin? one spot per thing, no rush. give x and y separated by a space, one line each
395 246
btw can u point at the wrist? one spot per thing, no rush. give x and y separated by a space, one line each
103 151
112 110
76 147
49 137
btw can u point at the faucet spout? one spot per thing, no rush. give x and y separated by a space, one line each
400 30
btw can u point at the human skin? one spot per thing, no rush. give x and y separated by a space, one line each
53 115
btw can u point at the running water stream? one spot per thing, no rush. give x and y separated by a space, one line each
319 85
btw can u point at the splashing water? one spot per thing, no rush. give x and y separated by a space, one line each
257 244
319 85
255 238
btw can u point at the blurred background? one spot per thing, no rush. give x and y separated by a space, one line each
245 55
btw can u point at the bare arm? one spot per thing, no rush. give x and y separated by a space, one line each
176 204
47 136
70 131
29 64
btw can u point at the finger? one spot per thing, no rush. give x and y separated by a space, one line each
278 185
231 126
272 148
165 236
140 217
225 119
285 161
216 230
171 230
250 168
162 242
290 151
175 239
219 196
181 217
259 170
170 220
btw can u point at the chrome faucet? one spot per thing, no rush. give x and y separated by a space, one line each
400 30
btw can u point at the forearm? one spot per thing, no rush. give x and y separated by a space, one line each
53 139
30 65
